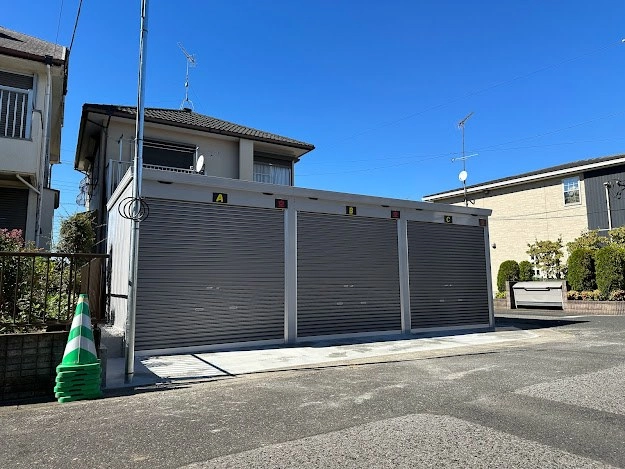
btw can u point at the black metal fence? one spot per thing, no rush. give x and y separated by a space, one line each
39 290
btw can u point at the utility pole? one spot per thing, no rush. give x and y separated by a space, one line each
131 319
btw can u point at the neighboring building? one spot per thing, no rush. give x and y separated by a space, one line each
174 140
33 84
561 201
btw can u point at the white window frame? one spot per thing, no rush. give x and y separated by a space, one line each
571 185
266 170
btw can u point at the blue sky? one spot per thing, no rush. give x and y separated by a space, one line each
377 87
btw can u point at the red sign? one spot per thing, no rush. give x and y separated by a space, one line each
282 203
395 214
483 222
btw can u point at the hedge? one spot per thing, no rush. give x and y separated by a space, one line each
508 271
581 270
526 271
610 269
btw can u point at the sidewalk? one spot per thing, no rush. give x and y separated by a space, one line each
162 369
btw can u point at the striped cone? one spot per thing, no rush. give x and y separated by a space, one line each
78 375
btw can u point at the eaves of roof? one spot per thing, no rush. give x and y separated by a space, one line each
191 120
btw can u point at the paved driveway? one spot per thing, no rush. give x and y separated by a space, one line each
552 401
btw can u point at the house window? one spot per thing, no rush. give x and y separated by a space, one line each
570 187
166 155
273 171
16 92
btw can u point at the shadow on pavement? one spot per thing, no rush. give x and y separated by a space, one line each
529 323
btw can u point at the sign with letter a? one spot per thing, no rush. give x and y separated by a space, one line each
220 197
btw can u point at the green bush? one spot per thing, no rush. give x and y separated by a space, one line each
581 270
526 271
501 295
508 271
610 269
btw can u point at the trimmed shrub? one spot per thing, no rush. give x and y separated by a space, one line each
610 269
526 271
508 271
581 270
617 295
573 295
594 295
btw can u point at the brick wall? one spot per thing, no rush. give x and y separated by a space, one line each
28 364
612 308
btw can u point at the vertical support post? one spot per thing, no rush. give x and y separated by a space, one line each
290 275
489 279
404 276
136 194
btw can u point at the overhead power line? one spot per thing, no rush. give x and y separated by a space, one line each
71 44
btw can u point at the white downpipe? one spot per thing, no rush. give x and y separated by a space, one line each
45 144
131 318
607 199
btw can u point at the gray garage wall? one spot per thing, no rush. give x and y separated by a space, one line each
209 274
347 275
448 275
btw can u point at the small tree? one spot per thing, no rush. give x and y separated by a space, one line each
508 271
610 269
581 270
526 271
547 256
588 240
77 233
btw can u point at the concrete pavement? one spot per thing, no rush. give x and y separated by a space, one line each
551 401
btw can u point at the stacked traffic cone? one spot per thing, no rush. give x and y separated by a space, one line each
78 375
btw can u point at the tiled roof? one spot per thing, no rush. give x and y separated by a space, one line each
572 166
18 44
190 119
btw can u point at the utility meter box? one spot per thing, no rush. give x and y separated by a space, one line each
546 294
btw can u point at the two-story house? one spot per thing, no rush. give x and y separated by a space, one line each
556 202
174 140
33 84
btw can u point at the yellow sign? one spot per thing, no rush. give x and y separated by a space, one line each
220 197
349 210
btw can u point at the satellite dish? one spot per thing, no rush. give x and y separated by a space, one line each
199 164
463 176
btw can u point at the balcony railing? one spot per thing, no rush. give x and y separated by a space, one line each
15 119
117 169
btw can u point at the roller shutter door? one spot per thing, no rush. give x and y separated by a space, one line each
448 284
13 208
348 275
209 274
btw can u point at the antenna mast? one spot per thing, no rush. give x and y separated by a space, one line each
463 174
187 103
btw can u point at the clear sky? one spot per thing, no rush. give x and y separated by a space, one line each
377 87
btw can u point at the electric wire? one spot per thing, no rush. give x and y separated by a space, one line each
71 44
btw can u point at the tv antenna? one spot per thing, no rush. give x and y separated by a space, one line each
187 103
463 174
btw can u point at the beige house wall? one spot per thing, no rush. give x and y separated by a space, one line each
525 213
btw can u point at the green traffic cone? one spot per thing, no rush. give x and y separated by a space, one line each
78 375
80 348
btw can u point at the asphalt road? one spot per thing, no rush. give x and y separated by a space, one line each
554 401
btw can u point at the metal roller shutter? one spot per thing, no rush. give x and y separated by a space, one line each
448 284
209 274
13 208
348 275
